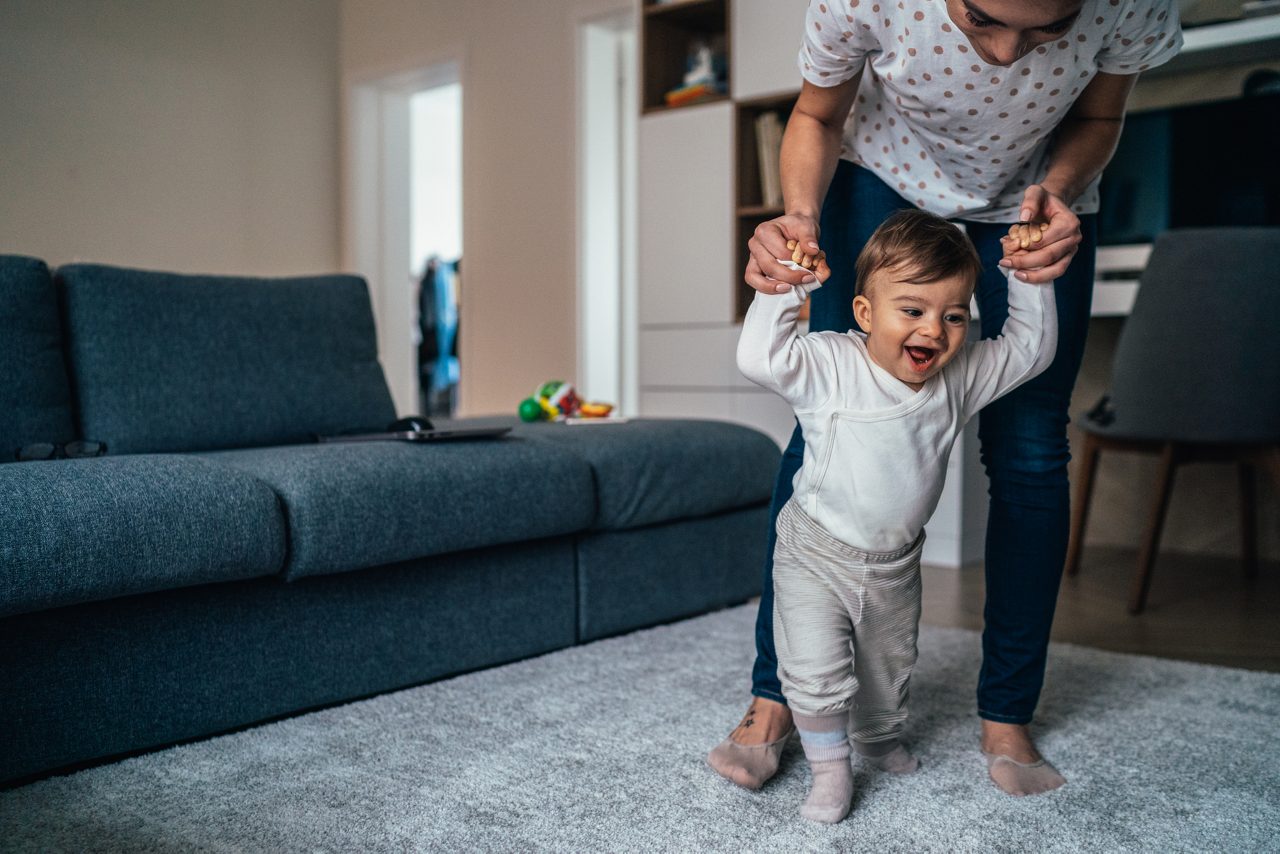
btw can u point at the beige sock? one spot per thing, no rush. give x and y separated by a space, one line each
1022 778
749 766
888 756
826 746
831 793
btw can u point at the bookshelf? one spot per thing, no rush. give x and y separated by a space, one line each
751 207
668 31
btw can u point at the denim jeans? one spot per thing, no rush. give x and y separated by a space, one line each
1024 449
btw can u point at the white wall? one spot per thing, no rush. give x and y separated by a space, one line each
173 134
518 172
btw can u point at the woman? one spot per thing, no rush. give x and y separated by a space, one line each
987 112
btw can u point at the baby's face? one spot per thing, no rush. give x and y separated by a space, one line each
913 331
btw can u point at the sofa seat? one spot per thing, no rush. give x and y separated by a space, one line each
653 470
357 505
76 531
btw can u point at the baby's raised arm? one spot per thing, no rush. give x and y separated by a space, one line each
774 355
1024 349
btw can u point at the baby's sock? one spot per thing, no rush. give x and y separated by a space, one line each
888 756
1022 778
826 746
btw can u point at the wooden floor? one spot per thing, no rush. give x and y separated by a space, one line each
1200 608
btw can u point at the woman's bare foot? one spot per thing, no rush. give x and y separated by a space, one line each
765 721
1013 761
749 756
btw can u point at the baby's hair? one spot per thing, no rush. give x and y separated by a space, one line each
926 245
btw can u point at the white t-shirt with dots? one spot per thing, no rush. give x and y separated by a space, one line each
952 134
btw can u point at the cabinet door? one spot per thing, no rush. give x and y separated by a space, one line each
686 216
766 42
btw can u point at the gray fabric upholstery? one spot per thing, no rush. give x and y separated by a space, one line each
162 362
629 579
649 471
1194 362
143 671
356 505
35 396
80 530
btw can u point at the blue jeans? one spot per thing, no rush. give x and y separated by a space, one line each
1024 449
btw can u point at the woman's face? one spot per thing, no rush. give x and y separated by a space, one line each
1004 31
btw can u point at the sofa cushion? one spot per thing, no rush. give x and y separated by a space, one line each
356 505
164 362
82 530
35 397
654 470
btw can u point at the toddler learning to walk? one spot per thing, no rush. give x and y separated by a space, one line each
880 410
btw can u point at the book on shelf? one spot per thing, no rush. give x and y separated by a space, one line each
769 151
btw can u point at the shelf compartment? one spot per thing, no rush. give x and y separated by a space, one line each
669 30
750 208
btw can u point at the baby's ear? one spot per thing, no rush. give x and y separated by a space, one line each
862 312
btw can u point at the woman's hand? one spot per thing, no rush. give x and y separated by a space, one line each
1046 259
769 243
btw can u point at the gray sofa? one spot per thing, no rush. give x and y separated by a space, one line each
218 568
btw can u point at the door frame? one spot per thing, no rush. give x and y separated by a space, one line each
376 203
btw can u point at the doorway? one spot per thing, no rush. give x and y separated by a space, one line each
435 226
606 177
403 207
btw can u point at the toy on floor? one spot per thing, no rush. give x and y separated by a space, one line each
556 401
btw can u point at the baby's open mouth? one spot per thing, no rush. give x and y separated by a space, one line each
921 357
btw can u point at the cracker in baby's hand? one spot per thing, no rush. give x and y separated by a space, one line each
809 262
1022 235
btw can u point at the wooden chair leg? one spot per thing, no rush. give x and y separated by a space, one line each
1147 558
1248 520
1080 506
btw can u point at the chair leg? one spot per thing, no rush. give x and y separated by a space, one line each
1248 520
1147 558
1080 506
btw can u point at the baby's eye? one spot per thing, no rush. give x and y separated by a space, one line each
956 318
912 312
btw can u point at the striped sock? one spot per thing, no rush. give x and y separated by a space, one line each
826 746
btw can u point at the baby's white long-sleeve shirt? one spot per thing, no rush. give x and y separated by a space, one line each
875 454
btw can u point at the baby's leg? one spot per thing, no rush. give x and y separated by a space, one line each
825 740
885 636
812 631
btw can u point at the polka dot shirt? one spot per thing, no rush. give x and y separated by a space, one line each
952 134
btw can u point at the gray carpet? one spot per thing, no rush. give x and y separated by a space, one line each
600 748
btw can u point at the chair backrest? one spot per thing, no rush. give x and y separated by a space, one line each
1197 360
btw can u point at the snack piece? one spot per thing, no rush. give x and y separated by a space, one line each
798 256
1025 233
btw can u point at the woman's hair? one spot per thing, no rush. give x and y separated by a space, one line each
921 244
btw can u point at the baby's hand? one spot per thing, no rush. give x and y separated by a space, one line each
816 264
1022 236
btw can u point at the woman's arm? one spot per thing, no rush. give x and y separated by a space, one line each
1082 147
810 149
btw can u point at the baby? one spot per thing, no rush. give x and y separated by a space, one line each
880 410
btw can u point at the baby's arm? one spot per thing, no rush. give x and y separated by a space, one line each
1025 348
772 353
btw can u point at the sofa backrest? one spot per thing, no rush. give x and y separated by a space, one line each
35 396
164 362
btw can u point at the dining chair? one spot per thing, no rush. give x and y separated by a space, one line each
1196 378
